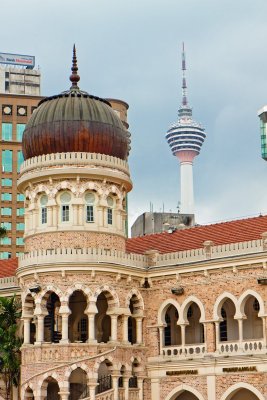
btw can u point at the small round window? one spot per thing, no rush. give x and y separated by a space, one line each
44 200
90 198
65 197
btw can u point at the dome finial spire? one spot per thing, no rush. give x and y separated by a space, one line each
74 78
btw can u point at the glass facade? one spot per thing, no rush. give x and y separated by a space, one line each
20 130
20 160
20 226
6 197
263 129
5 241
6 182
6 131
7 160
20 212
4 255
6 225
6 211
19 241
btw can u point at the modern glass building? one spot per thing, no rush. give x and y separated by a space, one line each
15 111
262 113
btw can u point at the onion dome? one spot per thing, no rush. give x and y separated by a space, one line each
75 121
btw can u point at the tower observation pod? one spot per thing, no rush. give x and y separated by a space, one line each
185 138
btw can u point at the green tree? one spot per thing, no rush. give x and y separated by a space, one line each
10 343
2 231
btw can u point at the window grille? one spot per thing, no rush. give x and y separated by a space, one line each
89 213
110 216
65 213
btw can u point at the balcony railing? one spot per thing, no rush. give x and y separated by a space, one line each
188 351
251 346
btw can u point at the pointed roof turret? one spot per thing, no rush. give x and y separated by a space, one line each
74 78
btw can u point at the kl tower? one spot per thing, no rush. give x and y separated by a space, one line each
185 138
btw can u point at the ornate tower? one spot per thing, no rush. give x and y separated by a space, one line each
185 138
80 308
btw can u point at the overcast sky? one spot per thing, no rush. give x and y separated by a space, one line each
131 49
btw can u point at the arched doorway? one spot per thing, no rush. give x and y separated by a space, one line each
194 331
52 389
243 394
252 324
172 332
228 325
78 320
52 321
28 394
78 385
102 319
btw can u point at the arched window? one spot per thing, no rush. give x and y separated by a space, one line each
252 323
89 208
43 204
194 331
110 203
229 325
65 199
223 326
172 332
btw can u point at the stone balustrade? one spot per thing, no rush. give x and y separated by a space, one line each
9 282
195 255
87 255
81 255
77 159
251 346
187 351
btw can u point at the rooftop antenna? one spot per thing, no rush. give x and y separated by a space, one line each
184 84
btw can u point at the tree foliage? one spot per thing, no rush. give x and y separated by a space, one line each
10 344
2 231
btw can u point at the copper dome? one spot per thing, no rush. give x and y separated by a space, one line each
75 121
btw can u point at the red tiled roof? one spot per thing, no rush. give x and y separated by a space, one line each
192 238
8 267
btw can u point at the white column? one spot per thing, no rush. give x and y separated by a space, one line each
126 387
240 333
125 329
49 216
264 322
26 330
91 328
40 329
187 192
155 391
183 336
92 387
114 323
217 334
139 333
161 341
81 216
140 387
115 381
75 214
65 328
211 385
55 221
